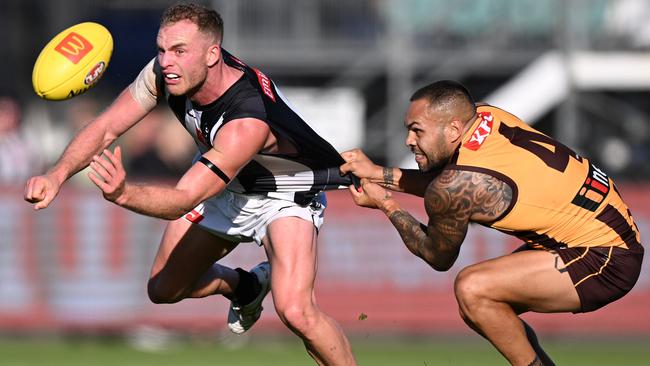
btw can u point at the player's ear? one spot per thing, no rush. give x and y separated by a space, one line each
214 54
454 130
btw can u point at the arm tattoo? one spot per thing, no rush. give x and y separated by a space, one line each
468 195
387 179
411 181
388 175
413 233
452 200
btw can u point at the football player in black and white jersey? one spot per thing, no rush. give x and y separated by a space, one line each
259 176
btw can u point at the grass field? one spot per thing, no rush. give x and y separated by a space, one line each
397 352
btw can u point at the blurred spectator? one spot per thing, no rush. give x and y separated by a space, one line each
157 148
75 115
80 111
174 147
16 161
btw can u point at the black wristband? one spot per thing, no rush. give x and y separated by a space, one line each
215 169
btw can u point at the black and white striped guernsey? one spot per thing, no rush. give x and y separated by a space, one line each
296 177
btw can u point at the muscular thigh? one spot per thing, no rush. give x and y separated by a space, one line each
290 244
186 251
533 280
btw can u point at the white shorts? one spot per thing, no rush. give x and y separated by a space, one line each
243 218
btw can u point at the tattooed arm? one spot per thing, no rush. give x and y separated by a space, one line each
410 181
451 201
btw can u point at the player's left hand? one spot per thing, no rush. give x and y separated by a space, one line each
108 174
370 195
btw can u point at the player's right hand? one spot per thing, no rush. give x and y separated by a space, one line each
371 195
357 163
41 190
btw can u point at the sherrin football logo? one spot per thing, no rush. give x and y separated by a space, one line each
95 73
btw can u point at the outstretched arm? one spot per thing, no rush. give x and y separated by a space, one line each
91 140
235 145
410 181
128 108
451 201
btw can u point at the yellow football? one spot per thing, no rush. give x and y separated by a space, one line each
72 62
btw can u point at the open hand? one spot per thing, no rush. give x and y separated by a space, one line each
108 174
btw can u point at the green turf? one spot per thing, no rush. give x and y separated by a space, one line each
115 352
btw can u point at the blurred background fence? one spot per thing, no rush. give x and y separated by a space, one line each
83 265
577 69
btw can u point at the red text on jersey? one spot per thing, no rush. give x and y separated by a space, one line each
266 84
481 132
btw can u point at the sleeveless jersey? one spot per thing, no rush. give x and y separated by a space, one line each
560 199
296 177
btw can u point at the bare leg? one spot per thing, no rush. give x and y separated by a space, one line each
542 357
291 248
185 265
491 294
532 338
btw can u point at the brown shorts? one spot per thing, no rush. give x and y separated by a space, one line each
600 274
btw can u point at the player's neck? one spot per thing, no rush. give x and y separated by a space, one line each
220 78
468 125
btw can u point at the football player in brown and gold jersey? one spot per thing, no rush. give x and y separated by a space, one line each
478 163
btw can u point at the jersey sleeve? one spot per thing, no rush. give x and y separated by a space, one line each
143 88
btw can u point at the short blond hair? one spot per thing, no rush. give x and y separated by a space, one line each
207 20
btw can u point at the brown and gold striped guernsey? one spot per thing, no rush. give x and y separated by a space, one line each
560 199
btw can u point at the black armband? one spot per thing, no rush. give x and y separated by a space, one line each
215 169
